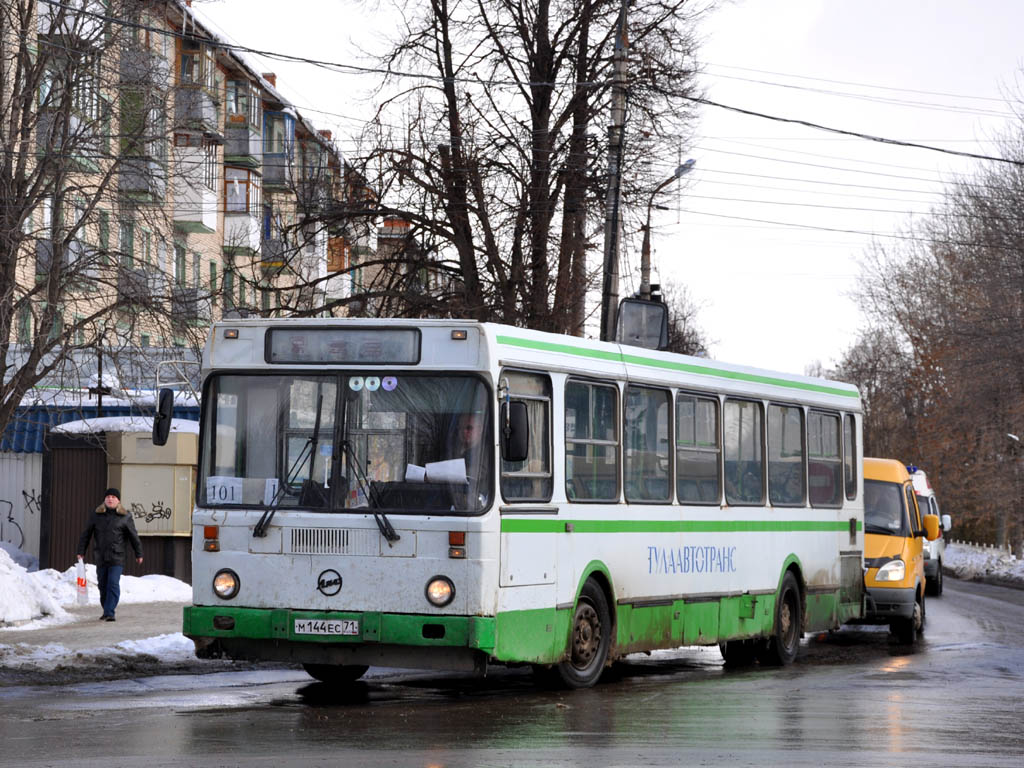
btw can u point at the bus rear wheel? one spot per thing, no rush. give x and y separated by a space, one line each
335 674
590 641
784 642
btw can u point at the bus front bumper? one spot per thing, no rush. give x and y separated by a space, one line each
328 637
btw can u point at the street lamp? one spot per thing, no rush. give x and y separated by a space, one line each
645 249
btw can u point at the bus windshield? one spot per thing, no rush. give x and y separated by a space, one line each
402 443
884 509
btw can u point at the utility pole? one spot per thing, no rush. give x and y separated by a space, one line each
610 290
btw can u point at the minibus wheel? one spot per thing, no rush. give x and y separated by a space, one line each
785 639
335 674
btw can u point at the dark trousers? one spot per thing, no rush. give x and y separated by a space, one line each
109 578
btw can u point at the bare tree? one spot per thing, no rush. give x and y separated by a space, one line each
490 152
83 105
942 371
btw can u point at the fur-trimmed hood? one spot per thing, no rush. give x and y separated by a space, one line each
102 508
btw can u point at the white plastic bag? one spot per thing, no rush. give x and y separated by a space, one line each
83 588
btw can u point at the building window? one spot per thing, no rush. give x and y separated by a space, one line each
179 264
210 164
25 324
241 191
126 242
276 135
243 103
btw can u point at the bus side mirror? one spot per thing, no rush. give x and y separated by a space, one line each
162 420
947 522
642 323
515 431
931 527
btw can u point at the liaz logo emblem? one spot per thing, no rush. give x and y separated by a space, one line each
328 582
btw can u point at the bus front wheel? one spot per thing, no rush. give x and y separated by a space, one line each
590 641
784 642
335 674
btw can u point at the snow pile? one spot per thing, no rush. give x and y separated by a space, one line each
40 596
976 564
27 595
167 648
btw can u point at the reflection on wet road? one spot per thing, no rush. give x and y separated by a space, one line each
852 697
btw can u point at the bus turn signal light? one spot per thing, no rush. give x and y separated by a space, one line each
211 538
457 545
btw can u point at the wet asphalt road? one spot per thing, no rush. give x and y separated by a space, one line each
852 698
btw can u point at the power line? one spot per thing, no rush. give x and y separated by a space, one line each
844 132
859 85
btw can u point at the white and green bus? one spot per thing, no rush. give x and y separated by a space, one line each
617 500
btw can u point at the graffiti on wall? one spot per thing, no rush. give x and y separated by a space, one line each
11 531
157 511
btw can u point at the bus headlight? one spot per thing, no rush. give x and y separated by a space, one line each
226 583
894 570
440 591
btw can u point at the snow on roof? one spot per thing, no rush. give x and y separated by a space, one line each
121 424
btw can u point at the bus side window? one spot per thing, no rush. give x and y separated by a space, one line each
850 456
698 450
743 449
786 485
591 441
530 480
647 421
824 467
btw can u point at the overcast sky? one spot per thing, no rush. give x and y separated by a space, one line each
934 72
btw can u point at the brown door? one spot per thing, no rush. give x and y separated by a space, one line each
74 478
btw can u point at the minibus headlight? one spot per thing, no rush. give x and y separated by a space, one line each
226 584
894 570
440 591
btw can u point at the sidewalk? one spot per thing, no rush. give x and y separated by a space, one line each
145 640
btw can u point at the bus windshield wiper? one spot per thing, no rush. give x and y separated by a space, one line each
260 529
386 529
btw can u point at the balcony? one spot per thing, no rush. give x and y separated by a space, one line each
277 171
273 256
241 232
139 286
195 203
243 146
69 139
69 22
142 67
190 306
313 194
143 179
79 260
195 109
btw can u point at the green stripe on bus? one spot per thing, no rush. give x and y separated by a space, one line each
700 370
533 525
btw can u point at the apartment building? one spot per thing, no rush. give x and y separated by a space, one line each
179 185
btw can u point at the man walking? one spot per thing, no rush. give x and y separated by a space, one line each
111 524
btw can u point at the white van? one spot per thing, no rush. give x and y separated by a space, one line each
934 551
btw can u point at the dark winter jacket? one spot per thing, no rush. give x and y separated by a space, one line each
110 527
